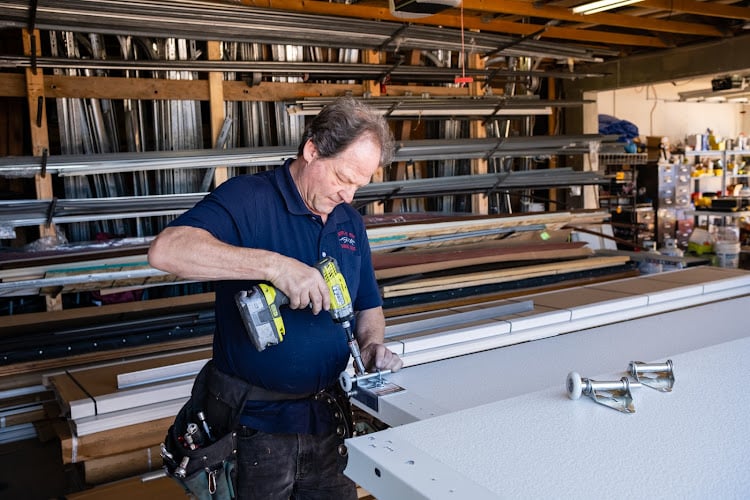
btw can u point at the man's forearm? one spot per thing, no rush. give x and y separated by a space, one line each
370 327
194 253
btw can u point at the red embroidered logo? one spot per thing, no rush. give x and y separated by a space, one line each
347 241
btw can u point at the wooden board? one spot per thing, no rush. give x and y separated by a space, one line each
42 366
132 437
500 276
162 488
25 323
551 220
122 465
133 488
85 385
401 264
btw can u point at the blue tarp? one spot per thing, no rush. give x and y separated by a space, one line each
610 125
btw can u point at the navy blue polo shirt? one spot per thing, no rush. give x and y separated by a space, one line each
266 211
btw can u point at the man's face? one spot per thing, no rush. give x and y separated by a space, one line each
327 182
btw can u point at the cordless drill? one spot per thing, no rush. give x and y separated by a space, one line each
259 308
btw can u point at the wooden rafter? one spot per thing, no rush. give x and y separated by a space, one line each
565 14
710 9
472 21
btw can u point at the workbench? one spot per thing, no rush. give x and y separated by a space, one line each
498 423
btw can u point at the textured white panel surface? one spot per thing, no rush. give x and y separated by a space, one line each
488 329
691 443
541 316
484 377
713 278
656 290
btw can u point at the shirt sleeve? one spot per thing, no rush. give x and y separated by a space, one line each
217 211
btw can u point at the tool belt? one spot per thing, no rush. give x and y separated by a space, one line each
200 449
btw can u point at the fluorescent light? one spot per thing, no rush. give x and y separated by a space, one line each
714 95
601 6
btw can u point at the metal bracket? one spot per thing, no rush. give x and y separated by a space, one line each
501 177
659 376
45 157
387 73
39 111
32 36
393 37
368 388
392 108
614 394
495 148
385 198
51 212
494 113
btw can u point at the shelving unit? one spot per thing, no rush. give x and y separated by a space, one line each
713 219
724 156
632 220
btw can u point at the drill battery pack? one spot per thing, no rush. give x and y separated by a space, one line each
259 308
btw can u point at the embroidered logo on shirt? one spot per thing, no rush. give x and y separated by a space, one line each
347 241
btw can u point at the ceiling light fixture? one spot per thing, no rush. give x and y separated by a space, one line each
740 88
601 6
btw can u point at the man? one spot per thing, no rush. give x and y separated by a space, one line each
273 227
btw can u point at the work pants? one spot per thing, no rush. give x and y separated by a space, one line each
292 466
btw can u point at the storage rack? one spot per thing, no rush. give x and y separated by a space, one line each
632 220
485 169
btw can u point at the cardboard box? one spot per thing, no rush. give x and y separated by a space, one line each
654 141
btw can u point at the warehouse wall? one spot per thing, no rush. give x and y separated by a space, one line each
657 111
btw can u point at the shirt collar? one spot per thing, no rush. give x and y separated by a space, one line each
289 191
293 199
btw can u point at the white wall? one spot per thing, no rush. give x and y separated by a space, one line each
656 111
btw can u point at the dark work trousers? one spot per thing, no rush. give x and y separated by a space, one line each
291 466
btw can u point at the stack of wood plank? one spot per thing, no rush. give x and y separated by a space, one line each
117 407
452 243
118 413
23 409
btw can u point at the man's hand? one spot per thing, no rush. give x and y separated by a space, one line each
303 284
377 357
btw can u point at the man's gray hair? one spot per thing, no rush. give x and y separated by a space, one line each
342 122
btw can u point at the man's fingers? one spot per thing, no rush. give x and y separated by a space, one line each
383 358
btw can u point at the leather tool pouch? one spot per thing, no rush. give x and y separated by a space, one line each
203 461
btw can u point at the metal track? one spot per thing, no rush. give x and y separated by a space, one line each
18 213
34 212
483 183
57 343
428 149
231 22
430 108
291 68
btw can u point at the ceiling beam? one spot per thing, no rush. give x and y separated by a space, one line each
565 14
700 8
471 21
724 56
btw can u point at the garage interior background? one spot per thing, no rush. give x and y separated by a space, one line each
116 116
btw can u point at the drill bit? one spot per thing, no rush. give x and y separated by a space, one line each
353 347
